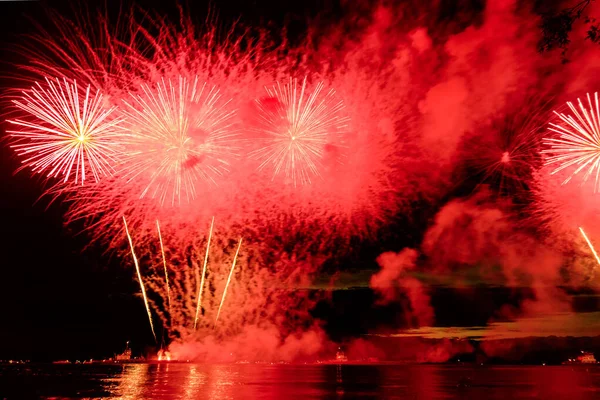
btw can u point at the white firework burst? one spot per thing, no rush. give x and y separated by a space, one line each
297 128
577 141
66 132
180 133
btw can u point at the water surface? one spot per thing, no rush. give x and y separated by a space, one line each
282 381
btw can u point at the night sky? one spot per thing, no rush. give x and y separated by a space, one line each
62 300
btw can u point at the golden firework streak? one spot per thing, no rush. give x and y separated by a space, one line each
228 280
162 250
590 244
137 268
199 305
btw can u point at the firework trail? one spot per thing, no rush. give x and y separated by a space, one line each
298 127
70 133
590 245
179 134
578 141
199 306
162 251
137 268
228 280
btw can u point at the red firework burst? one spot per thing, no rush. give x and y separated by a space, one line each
67 132
505 157
298 128
179 133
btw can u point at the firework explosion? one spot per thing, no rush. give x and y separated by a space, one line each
577 145
300 127
178 135
175 153
186 128
67 133
508 154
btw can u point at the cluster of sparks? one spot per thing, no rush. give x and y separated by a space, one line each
179 134
170 137
577 144
67 133
575 147
297 127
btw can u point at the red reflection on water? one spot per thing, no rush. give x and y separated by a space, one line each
287 381
134 381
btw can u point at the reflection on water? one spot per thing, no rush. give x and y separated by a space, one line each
265 381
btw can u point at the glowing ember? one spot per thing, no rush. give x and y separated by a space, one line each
578 141
298 127
69 132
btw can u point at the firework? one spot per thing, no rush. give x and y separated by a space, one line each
162 251
299 128
590 245
198 307
180 133
228 280
578 142
68 133
139 275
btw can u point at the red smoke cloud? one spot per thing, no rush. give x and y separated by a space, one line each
483 69
392 280
476 231
256 343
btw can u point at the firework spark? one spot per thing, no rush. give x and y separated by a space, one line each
578 141
162 251
506 157
199 305
68 132
298 127
228 280
590 245
137 268
180 133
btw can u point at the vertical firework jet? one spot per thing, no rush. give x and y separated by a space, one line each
137 268
199 305
590 245
180 133
162 251
298 127
69 132
228 280
578 141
